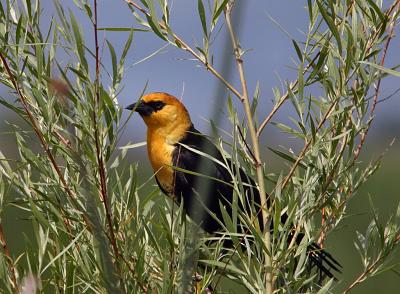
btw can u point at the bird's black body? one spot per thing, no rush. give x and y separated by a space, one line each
203 195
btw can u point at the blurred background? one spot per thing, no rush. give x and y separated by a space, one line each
266 29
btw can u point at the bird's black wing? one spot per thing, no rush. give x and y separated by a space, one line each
201 182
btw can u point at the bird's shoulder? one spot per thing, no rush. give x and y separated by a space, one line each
195 147
196 155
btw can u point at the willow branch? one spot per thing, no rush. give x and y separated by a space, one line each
99 152
256 148
373 266
184 46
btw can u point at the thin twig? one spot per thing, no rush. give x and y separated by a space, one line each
99 151
372 267
292 88
362 277
10 262
378 85
189 49
324 189
256 148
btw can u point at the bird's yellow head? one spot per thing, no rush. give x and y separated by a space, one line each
162 113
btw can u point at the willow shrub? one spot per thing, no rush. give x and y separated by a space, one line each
95 227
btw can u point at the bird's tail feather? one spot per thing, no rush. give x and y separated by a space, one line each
323 261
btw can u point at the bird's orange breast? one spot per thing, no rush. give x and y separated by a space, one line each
160 155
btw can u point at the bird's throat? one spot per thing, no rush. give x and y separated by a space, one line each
160 153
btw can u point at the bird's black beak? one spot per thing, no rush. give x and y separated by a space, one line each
140 107
134 106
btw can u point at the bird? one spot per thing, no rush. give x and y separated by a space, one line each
189 168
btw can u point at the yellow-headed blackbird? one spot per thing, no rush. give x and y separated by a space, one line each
189 168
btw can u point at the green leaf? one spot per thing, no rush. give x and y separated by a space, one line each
114 62
313 129
79 42
121 63
278 207
219 10
326 288
63 251
223 265
350 51
88 10
321 61
80 74
156 28
39 216
254 103
378 11
126 48
18 32
39 63
153 21
288 129
202 14
227 220
287 157
310 11
12 107
381 68
332 27
298 51
293 98
28 8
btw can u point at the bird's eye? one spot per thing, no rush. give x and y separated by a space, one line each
157 105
